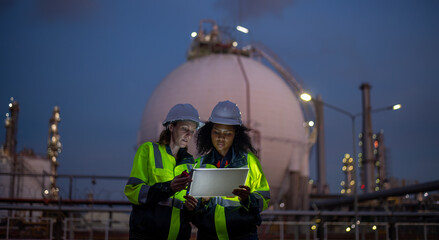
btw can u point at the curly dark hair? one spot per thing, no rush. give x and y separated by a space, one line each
241 142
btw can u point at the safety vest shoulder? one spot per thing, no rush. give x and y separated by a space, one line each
151 165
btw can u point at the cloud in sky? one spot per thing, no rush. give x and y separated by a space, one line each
70 10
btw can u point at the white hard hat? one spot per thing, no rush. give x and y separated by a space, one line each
182 112
227 113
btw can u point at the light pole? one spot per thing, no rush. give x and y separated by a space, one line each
306 97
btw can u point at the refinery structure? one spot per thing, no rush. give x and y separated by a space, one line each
285 128
14 164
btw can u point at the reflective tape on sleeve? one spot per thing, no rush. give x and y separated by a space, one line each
143 194
265 194
134 181
262 197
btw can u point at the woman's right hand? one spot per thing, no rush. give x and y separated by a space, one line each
180 182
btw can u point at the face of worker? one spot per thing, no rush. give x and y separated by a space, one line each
182 132
222 137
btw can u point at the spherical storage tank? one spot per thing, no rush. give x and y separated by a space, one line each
275 114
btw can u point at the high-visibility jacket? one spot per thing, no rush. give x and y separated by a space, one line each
157 212
228 218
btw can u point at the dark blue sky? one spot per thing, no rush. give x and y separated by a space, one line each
99 61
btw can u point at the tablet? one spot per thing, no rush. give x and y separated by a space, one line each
213 182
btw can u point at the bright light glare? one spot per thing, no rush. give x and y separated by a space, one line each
305 97
348 229
193 34
313 227
311 123
242 29
396 106
374 227
235 44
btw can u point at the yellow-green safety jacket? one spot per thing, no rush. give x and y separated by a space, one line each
157 212
228 218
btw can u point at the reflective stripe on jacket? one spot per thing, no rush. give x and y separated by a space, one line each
227 218
157 211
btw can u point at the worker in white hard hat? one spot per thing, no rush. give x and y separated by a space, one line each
158 179
224 142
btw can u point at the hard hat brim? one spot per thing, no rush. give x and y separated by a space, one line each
225 121
184 118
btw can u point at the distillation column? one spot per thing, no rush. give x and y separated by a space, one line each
53 149
368 156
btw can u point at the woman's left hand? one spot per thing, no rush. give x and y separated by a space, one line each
190 202
242 192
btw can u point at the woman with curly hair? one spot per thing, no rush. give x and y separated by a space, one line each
224 142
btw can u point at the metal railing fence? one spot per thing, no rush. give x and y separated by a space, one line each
80 228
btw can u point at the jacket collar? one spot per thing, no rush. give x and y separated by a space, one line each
182 156
238 159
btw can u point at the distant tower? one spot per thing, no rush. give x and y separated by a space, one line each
322 187
10 147
53 149
368 157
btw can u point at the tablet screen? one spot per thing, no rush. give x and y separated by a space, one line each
212 182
